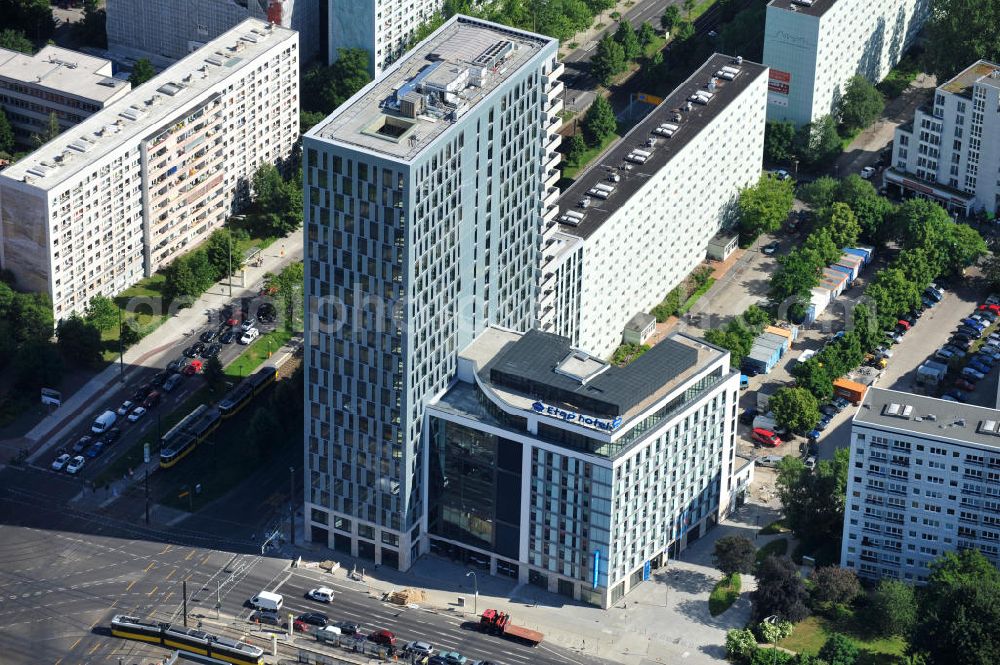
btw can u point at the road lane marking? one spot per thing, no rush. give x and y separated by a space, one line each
78 640
96 647
152 591
165 550
130 585
57 662
171 574
190 554
151 564
190 575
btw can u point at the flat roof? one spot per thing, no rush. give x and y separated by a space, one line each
148 107
982 71
526 368
673 111
61 69
444 76
935 418
817 8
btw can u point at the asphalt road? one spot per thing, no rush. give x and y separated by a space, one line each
64 573
148 427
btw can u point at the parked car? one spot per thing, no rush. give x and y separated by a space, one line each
248 324
975 323
765 437
974 333
152 399
824 422
965 384
990 307
95 450
828 409
927 302
382 636
266 312
126 406
959 342
770 461
59 463
321 594
137 413
957 395
172 382
944 354
194 350
452 658
840 403
348 627
111 436
249 336
82 443
176 365
161 377
770 248
810 462
75 465
208 336
979 367
193 368
814 435
212 351
314 619
984 358
227 337
971 372
867 172
748 415
420 649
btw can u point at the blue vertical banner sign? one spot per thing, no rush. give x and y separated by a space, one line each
645 571
597 566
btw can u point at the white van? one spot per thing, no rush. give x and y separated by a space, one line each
265 600
104 422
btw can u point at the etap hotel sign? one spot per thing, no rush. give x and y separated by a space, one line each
601 424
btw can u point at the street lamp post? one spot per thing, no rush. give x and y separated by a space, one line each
291 505
773 620
475 597
121 346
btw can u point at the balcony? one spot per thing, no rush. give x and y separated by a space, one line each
555 90
551 196
551 178
556 72
554 158
555 106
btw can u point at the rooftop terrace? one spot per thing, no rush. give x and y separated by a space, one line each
148 107
62 70
436 83
649 146
807 7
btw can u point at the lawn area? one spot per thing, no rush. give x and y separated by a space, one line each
693 298
900 77
724 594
777 526
810 635
777 547
257 353
570 171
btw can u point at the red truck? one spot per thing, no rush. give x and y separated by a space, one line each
498 623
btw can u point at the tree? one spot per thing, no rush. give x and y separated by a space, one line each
31 314
129 333
795 409
818 142
779 141
265 427
102 312
609 60
740 644
290 284
32 17
671 17
812 376
963 246
142 71
842 223
915 220
958 33
865 325
765 206
52 131
821 192
6 134
689 6
215 374
38 364
821 246
15 40
891 609
647 33
861 104
93 28
267 186
839 650
780 590
629 40
893 295
814 501
599 123
599 6
734 554
575 149
324 88
797 274
836 585
991 270
309 119
222 252
79 341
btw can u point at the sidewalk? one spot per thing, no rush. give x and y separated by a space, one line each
664 620
157 345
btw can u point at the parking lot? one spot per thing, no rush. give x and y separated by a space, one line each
141 406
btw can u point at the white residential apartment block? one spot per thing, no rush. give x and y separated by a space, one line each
384 28
924 479
423 197
70 84
814 47
561 471
639 220
150 176
167 30
950 153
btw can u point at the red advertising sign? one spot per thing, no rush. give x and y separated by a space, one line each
778 81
